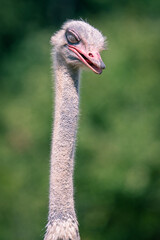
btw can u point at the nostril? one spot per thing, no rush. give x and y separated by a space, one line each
90 54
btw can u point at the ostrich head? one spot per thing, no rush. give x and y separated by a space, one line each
80 44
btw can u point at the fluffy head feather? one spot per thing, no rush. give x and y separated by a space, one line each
80 44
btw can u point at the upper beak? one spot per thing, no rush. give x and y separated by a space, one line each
91 59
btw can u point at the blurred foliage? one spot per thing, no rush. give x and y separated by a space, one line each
19 17
117 161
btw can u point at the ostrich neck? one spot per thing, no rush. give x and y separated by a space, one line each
63 142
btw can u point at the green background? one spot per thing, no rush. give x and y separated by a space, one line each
117 172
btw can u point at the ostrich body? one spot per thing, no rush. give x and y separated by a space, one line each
76 44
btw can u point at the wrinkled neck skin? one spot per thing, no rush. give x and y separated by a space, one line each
61 205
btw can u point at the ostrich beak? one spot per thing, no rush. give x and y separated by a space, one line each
92 59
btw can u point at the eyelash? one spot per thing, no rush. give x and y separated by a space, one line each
74 35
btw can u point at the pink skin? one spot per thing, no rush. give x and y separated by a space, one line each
92 59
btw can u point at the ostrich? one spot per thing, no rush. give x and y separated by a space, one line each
76 44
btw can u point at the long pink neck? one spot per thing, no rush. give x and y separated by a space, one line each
63 142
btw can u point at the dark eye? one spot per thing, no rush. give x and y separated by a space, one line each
72 37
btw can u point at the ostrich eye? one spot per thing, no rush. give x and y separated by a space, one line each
72 37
